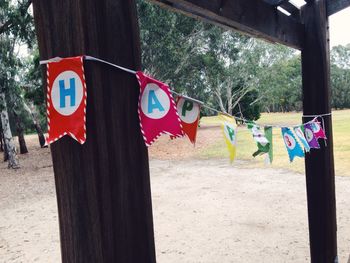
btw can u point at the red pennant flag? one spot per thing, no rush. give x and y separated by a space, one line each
189 114
157 110
317 129
66 99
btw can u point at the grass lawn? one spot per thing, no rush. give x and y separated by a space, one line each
246 145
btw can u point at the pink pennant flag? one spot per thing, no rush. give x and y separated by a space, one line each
157 110
317 129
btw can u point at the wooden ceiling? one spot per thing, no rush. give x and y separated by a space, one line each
277 21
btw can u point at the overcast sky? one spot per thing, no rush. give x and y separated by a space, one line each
339 24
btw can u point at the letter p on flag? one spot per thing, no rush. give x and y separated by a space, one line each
189 112
66 99
157 110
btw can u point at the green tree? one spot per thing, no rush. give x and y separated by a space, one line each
7 74
195 58
15 20
16 28
281 85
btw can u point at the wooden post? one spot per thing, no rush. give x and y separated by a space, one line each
319 164
103 187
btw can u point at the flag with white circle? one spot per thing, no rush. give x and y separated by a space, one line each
66 99
260 138
189 112
317 129
293 147
310 136
301 136
157 110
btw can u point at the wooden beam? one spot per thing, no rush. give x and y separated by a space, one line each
253 17
334 6
275 2
103 186
292 9
319 164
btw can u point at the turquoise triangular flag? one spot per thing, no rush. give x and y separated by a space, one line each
292 145
299 131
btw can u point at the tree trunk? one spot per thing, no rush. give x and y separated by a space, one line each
20 133
39 131
4 149
8 140
103 186
6 153
41 137
1 140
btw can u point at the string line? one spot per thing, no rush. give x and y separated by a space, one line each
245 121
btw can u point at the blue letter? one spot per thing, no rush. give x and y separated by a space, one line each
67 92
153 102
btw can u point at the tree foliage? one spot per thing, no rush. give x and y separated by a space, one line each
15 20
340 76
195 58
226 70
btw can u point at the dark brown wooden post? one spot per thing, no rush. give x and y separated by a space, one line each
103 187
319 164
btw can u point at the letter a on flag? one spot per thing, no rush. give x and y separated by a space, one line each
189 115
66 99
157 110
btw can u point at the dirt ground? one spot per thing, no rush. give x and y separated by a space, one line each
205 211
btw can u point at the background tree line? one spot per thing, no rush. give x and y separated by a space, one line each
228 71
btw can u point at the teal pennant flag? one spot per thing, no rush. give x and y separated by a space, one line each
299 131
293 147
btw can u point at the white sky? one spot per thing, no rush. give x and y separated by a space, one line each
339 28
338 23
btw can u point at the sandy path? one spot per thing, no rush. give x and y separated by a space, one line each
204 211
220 213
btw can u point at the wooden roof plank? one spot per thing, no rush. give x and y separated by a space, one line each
334 6
292 9
275 2
253 17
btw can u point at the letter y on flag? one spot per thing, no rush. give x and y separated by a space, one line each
157 110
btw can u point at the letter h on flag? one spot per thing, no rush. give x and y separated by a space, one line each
66 99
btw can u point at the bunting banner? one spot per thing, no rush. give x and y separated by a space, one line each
317 130
293 147
159 114
229 130
157 110
310 136
258 135
66 99
268 135
189 112
299 131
